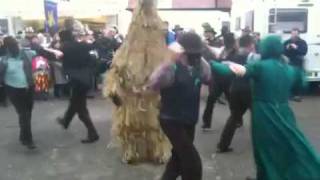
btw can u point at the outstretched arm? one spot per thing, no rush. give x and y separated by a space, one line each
205 72
162 77
229 68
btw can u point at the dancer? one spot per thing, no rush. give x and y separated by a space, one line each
220 84
16 74
281 151
135 124
179 83
240 96
77 64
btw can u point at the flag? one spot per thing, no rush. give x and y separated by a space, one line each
51 13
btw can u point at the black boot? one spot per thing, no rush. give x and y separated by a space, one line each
62 123
90 139
29 145
224 150
92 136
92 132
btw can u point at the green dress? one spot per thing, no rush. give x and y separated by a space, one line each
281 151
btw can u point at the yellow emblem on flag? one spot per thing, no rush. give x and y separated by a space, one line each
51 21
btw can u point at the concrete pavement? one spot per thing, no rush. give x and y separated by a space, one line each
61 156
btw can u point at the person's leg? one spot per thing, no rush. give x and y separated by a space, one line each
172 170
66 90
237 109
28 108
91 92
84 115
57 90
296 91
3 97
195 157
20 101
71 110
214 93
187 162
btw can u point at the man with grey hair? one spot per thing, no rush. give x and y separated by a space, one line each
295 49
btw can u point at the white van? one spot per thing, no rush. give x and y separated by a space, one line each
281 16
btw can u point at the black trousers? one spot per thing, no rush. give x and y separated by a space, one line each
185 160
239 103
3 96
219 85
22 100
60 90
296 90
78 105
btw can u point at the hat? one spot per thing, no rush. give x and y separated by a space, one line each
177 27
246 29
271 47
211 30
207 28
191 42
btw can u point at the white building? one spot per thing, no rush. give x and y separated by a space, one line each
27 10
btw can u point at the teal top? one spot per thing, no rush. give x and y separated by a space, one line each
15 75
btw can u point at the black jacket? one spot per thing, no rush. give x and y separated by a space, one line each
105 47
296 56
240 84
77 62
2 51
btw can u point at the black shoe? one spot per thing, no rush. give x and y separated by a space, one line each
61 122
296 99
3 104
90 140
29 145
225 150
221 102
239 125
206 128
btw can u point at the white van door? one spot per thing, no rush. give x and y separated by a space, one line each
312 60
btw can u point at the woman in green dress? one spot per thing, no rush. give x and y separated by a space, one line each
281 151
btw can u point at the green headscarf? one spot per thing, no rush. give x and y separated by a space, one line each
271 47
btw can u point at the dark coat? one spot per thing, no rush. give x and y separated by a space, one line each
77 62
105 47
296 56
240 84
2 51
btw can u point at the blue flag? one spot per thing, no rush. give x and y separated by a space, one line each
51 12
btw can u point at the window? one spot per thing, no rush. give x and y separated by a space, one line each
4 26
285 20
250 20
238 23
